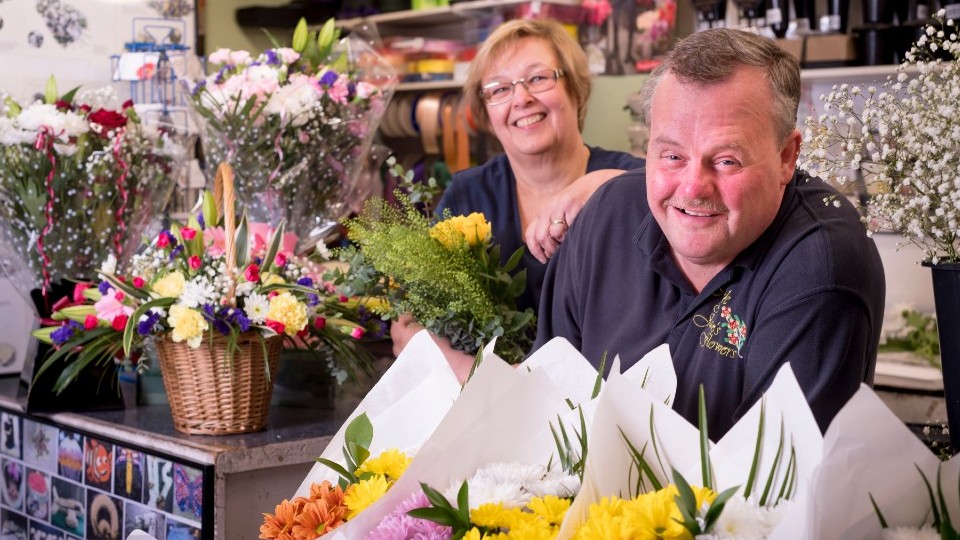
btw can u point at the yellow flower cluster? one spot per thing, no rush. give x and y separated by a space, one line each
540 520
285 308
452 232
377 475
187 324
650 516
170 285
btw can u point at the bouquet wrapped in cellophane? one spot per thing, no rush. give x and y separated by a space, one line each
296 123
79 180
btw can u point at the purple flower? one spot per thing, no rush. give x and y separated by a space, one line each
145 326
306 281
200 220
328 78
272 59
312 300
351 90
176 251
64 333
398 525
242 321
103 287
222 326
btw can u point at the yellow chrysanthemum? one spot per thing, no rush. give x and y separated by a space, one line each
533 529
655 516
550 508
285 308
187 325
472 534
604 521
390 463
170 285
364 493
492 516
452 232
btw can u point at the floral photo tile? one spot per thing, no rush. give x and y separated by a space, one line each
187 492
159 488
13 484
68 506
142 518
37 494
70 455
10 434
42 531
105 516
13 525
98 464
40 445
128 473
181 531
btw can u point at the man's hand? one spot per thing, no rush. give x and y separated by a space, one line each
545 233
405 327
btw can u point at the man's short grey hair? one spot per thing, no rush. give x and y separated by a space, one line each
714 55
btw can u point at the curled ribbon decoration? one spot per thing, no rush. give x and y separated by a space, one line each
121 187
45 140
276 146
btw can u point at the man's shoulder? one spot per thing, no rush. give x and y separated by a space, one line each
613 159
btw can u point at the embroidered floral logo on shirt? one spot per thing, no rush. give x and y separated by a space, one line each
723 331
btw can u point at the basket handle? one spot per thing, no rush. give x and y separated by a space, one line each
223 195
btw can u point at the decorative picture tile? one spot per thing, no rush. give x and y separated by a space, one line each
10 434
142 518
40 445
187 492
68 509
38 494
128 473
181 531
13 525
105 516
70 455
42 531
159 492
98 464
13 484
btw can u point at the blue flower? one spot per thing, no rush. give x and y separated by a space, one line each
62 335
272 59
328 78
312 300
242 321
200 220
145 326
305 281
222 326
103 287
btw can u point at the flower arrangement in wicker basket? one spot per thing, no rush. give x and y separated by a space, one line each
219 302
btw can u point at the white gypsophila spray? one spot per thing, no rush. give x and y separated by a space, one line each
904 139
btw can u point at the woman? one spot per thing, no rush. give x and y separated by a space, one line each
529 86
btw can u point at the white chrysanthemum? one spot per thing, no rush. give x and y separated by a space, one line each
485 490
197 292
256 307
294 101
45 115
909 533
742 520
109 266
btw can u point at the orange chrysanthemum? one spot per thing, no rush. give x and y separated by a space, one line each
317 519
324 491
278 526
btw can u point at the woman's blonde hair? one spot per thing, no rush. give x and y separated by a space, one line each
570 58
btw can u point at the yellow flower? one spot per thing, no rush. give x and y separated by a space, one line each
364 493
268 278
170 285
390 463
492 516
533 529
550 508
187 324
655 516
452 232
285 308
472 534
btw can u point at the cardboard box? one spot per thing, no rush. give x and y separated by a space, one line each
829 50
794 46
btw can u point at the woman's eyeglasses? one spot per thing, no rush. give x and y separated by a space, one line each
497 92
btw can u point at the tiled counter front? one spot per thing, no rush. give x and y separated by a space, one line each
101 475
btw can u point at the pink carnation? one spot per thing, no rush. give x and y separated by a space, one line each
215 240
110 306
398 525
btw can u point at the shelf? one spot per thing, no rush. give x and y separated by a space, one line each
430 85
854 74
454 13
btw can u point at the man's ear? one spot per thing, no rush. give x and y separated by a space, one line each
788 156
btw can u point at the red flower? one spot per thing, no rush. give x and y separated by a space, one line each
90 322
252 273
188 234
119 323
280 260
357 333
78 291
319 323
163 240
138 282
194 262
276 326
127 104
62 105
106 120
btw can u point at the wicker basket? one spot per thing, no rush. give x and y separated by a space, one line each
209 393
212 395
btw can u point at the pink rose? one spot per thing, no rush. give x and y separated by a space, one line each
188 234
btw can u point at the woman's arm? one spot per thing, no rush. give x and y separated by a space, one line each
404 328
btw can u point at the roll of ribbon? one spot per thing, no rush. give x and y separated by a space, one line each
427 116
405 116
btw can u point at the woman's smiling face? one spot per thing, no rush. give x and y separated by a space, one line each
531 124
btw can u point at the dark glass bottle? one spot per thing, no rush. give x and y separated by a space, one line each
778 17
839 12
806 11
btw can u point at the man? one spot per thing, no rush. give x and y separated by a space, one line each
719 247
